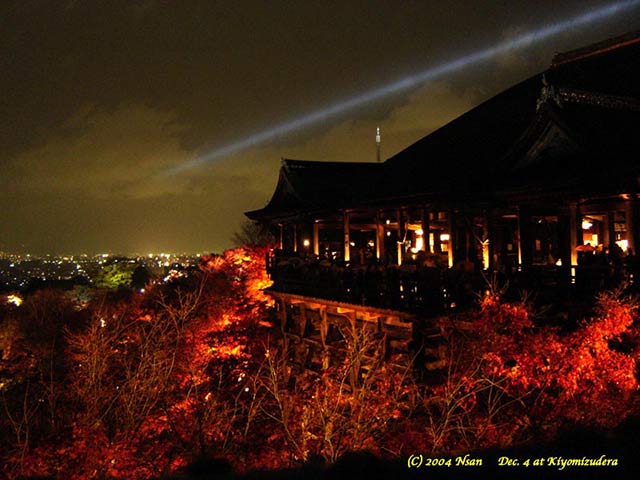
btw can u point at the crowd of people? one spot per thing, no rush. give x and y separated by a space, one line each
424 281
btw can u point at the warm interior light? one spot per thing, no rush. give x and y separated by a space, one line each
444 237
623 244
306 242
419 232
586 224
593 241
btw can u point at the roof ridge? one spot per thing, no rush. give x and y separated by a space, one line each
598 99
313 163
595 49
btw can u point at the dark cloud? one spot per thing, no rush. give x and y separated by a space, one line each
103 153
100 98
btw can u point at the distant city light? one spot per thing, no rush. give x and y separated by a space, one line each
20 270
14 300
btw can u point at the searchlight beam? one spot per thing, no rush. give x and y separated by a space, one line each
408 82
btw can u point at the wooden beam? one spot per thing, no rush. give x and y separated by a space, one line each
401 230
425 230
347 238
632 220
451 222
611 216
295 237
303 319
564 236
316 238
379 237
574 225
525 244
487 257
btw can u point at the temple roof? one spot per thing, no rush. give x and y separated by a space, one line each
310 186
584 137
610 67
465 153
572 128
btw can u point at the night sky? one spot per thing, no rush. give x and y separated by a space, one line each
100 99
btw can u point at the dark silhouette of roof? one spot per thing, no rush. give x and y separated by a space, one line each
584 137
314 186
610 66
463 156
572 129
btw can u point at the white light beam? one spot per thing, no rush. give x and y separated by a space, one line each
408 82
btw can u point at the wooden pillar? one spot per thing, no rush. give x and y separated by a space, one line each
316 238
632 220
487 257
283 324
324 326
283 316
295 237
611 217
520 249
281 237
437 244
347 237
425 230
302 326
608 235
500 241
575 232
401 230
379 237
525 243
564 236
451 219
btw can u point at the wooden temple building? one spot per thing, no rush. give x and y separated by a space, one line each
538 185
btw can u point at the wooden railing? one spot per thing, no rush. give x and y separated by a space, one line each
406 287
431 290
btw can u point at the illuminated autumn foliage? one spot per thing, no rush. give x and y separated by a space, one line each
140 385
511 379
349 406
